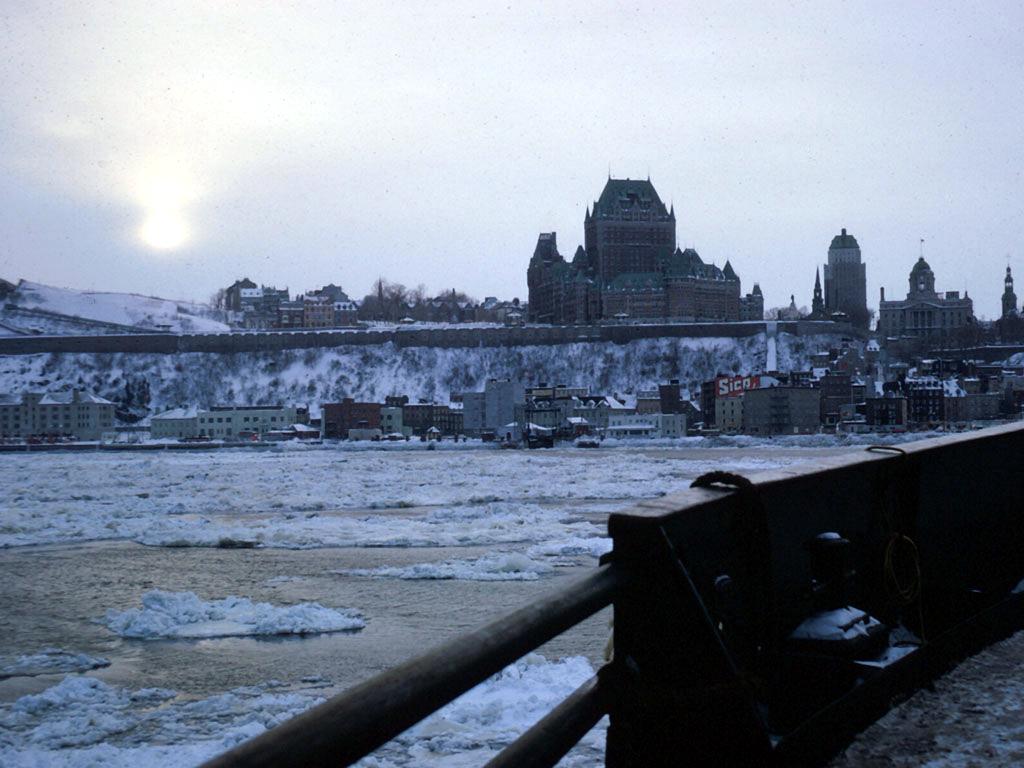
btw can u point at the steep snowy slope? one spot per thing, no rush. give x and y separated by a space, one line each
121 308
371 372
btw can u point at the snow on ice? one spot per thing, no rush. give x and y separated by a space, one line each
83 722
185 615
50 661
508 566
332 497
477 725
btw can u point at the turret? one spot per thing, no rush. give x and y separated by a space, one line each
1009 297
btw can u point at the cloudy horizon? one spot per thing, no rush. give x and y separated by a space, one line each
171 148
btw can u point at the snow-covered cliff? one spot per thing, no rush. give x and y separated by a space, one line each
312 376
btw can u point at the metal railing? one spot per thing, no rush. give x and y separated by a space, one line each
707 586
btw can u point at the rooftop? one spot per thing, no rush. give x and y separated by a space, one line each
620 195
843 240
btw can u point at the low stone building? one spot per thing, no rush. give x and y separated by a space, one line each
782 411
925 396
175 424
962 407
422 417
631 425
391 422
650 425
338 418
56 414
886 413
473 404
729 413
231 422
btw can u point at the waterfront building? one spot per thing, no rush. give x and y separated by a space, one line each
55 414
230 422
391 421
782 411
500 399
174 424
338 418
886 413
925 396
729 412
422 417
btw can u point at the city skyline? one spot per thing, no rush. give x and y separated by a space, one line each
170 151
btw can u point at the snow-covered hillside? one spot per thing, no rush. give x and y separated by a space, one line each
126 309
314 376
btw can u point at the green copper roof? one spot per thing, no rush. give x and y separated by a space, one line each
624 194
920 266
843 240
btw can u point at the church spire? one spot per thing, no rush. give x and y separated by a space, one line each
1009 297
817 303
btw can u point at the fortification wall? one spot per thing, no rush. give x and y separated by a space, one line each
444 338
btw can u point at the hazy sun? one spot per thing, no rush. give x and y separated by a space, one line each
164 230
164 196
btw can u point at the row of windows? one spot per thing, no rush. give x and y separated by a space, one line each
246 419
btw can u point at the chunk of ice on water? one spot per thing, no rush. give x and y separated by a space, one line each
186 615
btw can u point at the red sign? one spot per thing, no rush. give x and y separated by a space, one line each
730 386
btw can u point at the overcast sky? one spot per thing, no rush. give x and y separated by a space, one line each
169 148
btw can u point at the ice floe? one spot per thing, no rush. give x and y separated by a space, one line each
85 723
576 546
509 566
50 661
192 499
476 726
185 615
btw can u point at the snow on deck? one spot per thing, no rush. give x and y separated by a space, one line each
974 717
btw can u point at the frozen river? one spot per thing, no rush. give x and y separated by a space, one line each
158 608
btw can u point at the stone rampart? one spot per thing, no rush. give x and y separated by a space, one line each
449 337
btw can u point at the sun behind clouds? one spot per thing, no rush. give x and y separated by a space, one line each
164 196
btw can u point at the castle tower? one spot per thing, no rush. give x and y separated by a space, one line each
629 230
1009 297
846 280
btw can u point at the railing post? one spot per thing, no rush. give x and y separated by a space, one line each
679 697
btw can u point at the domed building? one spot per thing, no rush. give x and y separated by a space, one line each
925 312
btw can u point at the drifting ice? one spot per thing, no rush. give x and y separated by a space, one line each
185 615
50 661
511 566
